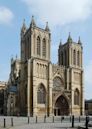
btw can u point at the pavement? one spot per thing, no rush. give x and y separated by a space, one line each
42 126
39 123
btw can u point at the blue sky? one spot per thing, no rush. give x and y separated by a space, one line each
63 16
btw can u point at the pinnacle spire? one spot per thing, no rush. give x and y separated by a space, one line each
69 40
33 22
23 29
79 41
60 43
47 27
12 59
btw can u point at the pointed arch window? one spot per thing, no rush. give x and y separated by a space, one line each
76 97
74 58
38 45
78 58
44 48
41 94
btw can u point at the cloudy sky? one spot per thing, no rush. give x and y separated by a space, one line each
63 16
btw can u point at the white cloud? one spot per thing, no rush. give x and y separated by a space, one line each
60 12
6 15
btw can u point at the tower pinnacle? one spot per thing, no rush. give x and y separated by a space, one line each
60 44
33 22
69 40
79 41
23 29
47 27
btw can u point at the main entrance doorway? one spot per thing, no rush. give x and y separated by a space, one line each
61 106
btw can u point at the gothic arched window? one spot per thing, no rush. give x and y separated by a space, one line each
44 48
38 45
76 97
78 58
74 57
41 94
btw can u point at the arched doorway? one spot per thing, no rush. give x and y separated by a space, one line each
61 106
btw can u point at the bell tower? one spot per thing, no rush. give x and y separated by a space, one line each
36 69
35 42
70 57
70 53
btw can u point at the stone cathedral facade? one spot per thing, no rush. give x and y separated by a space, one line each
45 88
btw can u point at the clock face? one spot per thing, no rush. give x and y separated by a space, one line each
57 83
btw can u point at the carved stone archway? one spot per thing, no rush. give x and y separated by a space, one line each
61 106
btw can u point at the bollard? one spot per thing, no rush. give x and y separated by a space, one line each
36 119
28 119
70 118
87 121
11 121
4 122
45 119
79 118
53 119
73 121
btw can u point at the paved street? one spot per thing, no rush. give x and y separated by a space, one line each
40 122
43 126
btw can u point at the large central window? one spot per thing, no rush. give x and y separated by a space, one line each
57 83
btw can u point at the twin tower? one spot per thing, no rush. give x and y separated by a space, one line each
46 88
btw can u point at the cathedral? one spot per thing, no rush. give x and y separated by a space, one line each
46 88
